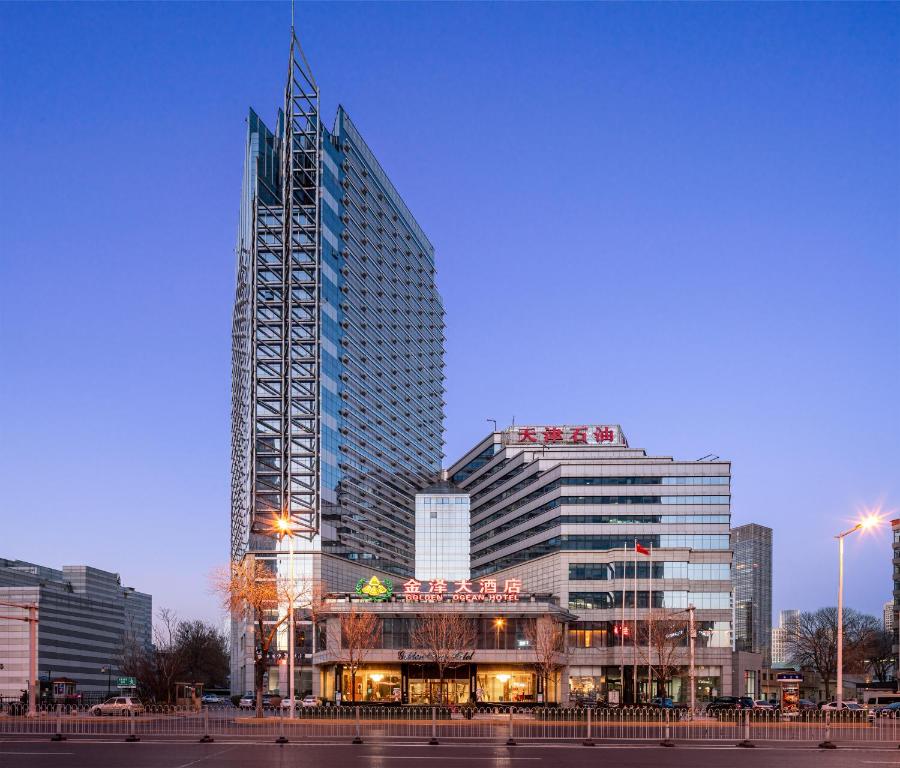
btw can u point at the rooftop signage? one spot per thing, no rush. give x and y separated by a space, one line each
604 434
375 589
462 591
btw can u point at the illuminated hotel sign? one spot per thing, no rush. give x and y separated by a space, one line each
605 434
375 589
462 591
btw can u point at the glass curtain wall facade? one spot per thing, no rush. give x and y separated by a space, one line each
337 348
753 589
442 533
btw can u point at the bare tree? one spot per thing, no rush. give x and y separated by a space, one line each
814 643
360 633
666 632
250 591
545 636
169 656
444 637
880 654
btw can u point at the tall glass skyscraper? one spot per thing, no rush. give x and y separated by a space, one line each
753 589
337 348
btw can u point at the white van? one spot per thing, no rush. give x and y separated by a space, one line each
874 699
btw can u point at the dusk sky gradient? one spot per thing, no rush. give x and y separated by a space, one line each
679 218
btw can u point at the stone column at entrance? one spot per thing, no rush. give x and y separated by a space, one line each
563 687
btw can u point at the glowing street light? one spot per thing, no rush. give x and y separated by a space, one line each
868 522
284 529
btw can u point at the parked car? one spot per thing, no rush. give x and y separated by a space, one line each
763 705
286 703
805 704
248 700
662 702
309 701
211 699
726 703
118 705
271 701
888 710
850 706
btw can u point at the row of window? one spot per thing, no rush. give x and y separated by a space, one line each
527 499
662 570
623 519
590 601
585 481
610 634
579 542
475 464
505 634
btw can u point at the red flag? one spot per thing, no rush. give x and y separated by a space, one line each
642 550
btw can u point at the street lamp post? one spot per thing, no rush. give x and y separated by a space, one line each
286 530
108 670
867 522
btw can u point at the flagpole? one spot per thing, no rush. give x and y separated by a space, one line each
622 625
634 693
650 629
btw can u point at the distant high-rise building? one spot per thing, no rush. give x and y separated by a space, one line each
789 622
337 357
887 613
753 589
442 532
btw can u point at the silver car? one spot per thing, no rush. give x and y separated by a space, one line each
118 705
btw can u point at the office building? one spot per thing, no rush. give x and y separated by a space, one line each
752 574
87 622
562 508
887 616
789 623
442 532
337 356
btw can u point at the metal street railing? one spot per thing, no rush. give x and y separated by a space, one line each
436 725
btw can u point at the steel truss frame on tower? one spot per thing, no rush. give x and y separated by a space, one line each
275 398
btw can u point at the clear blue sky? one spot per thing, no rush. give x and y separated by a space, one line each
680 218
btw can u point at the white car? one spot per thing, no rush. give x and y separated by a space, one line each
763 705
832 706
118 705
211 698
309 701
248 701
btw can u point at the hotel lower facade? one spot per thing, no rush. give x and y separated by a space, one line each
499 666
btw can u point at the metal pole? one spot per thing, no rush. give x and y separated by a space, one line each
32 661
622 626
692 633
434 739
510 741
588 742
358 738
291 624
839 694
634 663
650 629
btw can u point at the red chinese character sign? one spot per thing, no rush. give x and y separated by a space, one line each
488 590
579 434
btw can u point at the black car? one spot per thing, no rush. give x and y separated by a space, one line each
729 703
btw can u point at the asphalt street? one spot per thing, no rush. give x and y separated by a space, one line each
147 754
